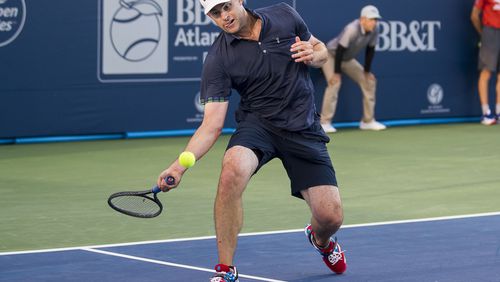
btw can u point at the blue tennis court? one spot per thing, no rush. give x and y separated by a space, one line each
465 248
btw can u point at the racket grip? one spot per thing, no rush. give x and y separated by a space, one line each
169 180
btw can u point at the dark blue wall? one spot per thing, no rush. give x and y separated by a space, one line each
62 75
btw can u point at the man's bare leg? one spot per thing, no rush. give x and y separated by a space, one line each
238 166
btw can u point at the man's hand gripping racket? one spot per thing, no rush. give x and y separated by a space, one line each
143 204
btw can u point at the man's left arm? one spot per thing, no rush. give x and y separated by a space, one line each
312 52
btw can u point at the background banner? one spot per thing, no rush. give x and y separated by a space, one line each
111 66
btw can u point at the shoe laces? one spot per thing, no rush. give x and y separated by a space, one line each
335 256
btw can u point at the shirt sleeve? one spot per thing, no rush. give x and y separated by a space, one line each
339 53
369 54
347 35
373 40
215 82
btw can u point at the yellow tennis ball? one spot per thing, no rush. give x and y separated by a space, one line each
187 159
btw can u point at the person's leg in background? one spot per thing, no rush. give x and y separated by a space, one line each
330 97
487 64
484 80
355 71
498 97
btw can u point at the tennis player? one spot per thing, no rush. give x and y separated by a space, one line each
265 54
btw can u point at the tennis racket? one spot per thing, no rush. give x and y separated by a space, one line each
143 204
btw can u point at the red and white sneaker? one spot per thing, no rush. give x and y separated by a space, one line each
333 256
225 273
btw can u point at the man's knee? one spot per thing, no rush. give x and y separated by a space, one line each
229 177
333 218
370 85
485 75
236 171
325 205
330 217
332 82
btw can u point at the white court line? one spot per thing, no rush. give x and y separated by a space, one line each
248 234
174 264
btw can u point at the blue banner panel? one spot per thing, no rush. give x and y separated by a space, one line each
117 66
425 61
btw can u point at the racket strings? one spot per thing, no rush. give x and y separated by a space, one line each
138 205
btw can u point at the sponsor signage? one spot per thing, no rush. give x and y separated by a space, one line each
415 36
435 96
12 18
152 40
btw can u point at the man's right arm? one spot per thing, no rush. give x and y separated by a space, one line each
476 19
210 129
200 143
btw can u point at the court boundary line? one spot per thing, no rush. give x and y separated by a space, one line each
185 266
405 221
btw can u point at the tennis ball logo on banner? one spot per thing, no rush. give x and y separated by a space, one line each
133 38
12 18
135 29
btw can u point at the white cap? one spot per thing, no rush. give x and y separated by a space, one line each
370 12
209 4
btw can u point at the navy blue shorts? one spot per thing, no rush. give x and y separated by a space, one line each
303 153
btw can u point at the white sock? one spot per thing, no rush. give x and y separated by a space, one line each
486 109
498 109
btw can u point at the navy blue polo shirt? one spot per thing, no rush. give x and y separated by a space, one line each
271 85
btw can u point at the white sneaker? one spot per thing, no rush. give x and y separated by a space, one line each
328 128
372 125
489 119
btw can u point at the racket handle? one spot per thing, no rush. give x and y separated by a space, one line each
169 180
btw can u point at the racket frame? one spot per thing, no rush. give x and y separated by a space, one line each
144 194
